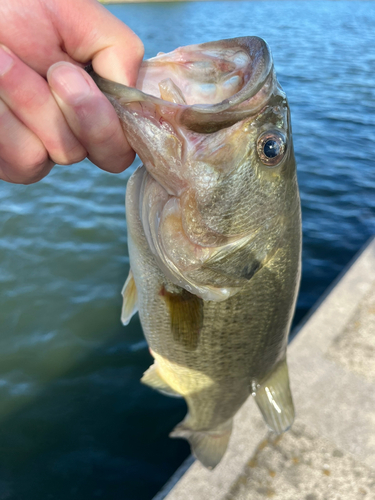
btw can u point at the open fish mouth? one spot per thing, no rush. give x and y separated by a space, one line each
212 85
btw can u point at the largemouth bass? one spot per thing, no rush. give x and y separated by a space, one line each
214 233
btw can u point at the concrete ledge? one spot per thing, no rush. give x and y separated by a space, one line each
330 451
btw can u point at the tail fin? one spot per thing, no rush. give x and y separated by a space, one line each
207 446
274 400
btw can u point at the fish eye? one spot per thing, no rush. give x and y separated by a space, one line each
271 147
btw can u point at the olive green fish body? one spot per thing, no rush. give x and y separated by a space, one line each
214 232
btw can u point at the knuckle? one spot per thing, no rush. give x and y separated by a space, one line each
30 97
138 48
35 167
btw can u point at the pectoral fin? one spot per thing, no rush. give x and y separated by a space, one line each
186 317
130 298
152 378
274 399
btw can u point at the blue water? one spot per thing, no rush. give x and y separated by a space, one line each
74 420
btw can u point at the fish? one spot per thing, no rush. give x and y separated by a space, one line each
214 233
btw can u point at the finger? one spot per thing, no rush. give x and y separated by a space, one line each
29 97
23 158
93 33
91 117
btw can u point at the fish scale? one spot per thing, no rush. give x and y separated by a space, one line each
214 233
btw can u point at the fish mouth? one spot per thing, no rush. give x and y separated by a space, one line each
209 86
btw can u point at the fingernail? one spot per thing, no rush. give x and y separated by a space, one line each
68 83
6 60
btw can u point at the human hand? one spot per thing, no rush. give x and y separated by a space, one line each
67 118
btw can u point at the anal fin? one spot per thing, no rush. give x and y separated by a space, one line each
130 299
207 446
152 378
274 399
